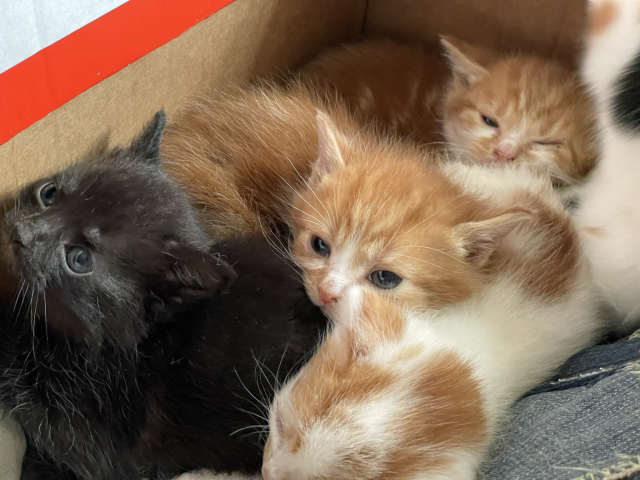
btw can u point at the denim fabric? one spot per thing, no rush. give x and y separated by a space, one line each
583 425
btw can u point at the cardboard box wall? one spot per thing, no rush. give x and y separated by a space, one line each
253 37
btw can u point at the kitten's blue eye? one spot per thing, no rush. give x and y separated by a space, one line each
47 194
490 122
79 260
320 247
384 279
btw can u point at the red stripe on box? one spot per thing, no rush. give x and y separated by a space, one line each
59 72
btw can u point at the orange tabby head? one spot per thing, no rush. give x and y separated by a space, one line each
376 216
373 403
518 108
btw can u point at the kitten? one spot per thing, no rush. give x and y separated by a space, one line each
135 344
393 395
428 234
492 108
239 154
608 215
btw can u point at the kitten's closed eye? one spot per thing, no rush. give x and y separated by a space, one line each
47 194
549 143
320 246
384 279
490 122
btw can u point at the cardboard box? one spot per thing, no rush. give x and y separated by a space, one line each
253 37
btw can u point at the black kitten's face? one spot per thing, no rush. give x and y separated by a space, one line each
93 243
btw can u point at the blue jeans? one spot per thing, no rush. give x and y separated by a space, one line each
584 425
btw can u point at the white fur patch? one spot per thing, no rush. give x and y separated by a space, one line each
608 217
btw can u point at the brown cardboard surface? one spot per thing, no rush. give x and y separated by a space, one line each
546 27
246 38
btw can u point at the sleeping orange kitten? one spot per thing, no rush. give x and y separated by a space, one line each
489 108
241 152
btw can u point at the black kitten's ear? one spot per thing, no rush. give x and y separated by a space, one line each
146 146
192 275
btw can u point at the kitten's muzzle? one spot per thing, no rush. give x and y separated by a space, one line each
16 240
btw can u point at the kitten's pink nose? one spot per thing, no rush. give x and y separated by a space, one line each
326 296
505 152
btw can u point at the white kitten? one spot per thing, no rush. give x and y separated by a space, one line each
608 215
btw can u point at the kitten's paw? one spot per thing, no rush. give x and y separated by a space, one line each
613 40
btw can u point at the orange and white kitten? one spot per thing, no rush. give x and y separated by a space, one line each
428 234
492 108
398 395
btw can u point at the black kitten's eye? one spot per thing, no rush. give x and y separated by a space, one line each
488 121
320 247
79 260
384 279
47 194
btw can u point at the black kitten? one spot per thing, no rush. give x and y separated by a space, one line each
135 345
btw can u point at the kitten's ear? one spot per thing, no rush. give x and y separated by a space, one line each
464 60
329 155
478 240
190 275
146 146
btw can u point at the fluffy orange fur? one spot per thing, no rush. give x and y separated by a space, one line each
489 107
241 152
385 208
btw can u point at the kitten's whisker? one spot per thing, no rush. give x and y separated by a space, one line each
253 414
433 249
306 201
248 391
255 427
18 295
262 366
259 365
429 263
